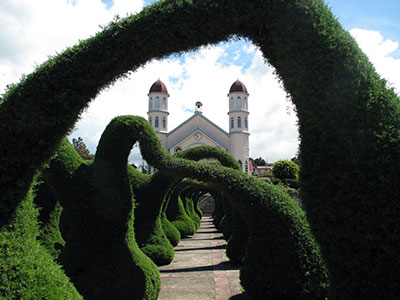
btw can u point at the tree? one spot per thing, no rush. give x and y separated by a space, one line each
81 148
260 162
285 169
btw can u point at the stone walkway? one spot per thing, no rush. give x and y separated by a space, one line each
201 270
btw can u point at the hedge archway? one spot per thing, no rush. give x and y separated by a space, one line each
348 119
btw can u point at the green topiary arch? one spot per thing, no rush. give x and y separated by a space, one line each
348 119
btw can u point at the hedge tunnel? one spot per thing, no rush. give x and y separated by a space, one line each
348 119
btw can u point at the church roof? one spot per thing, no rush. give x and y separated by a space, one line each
158 87
199 122
238 86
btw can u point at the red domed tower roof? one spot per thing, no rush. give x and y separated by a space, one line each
158 87
238 86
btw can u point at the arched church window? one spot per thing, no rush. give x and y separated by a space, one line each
151 103
157 102
239 122
232 122
240 163
156 122
164 122
164 103
231 106
150 121
246 123
246 166
177 149
245 104
238 102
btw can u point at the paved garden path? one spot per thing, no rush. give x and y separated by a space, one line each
201 270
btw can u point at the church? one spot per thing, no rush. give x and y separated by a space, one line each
198 129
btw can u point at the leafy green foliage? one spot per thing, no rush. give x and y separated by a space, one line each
27 269
269 214
49 218
348 125
285 169
101 255
149 194
259 162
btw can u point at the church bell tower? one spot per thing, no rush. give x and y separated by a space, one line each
158 109
239 124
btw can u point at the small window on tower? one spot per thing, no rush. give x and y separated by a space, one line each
163 122
150 121
239 122
157 102
240 163
231 106
232 122
245 103
164 103
156 122
246 166
238 102
246 124
151 103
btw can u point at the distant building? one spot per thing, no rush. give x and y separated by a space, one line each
261 170
199 130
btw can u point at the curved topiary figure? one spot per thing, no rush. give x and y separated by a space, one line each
171 232
218 212
149 194
236 248
101 255
196 197
347 117
50 211
186 194
177 215
229 221
189 208
277 225
226 221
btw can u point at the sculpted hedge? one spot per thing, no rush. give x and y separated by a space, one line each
348 119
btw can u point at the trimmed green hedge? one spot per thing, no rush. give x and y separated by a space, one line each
27 269
101 255
236 248
177 215
348 119
189 208
149 192
218 212
50 211
282 258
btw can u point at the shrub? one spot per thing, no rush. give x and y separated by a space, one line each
285 169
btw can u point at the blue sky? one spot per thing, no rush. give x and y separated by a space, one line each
380 15
33 30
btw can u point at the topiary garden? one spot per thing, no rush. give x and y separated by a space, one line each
89 244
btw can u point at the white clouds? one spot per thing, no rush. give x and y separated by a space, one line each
379 49
33 30
202 78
